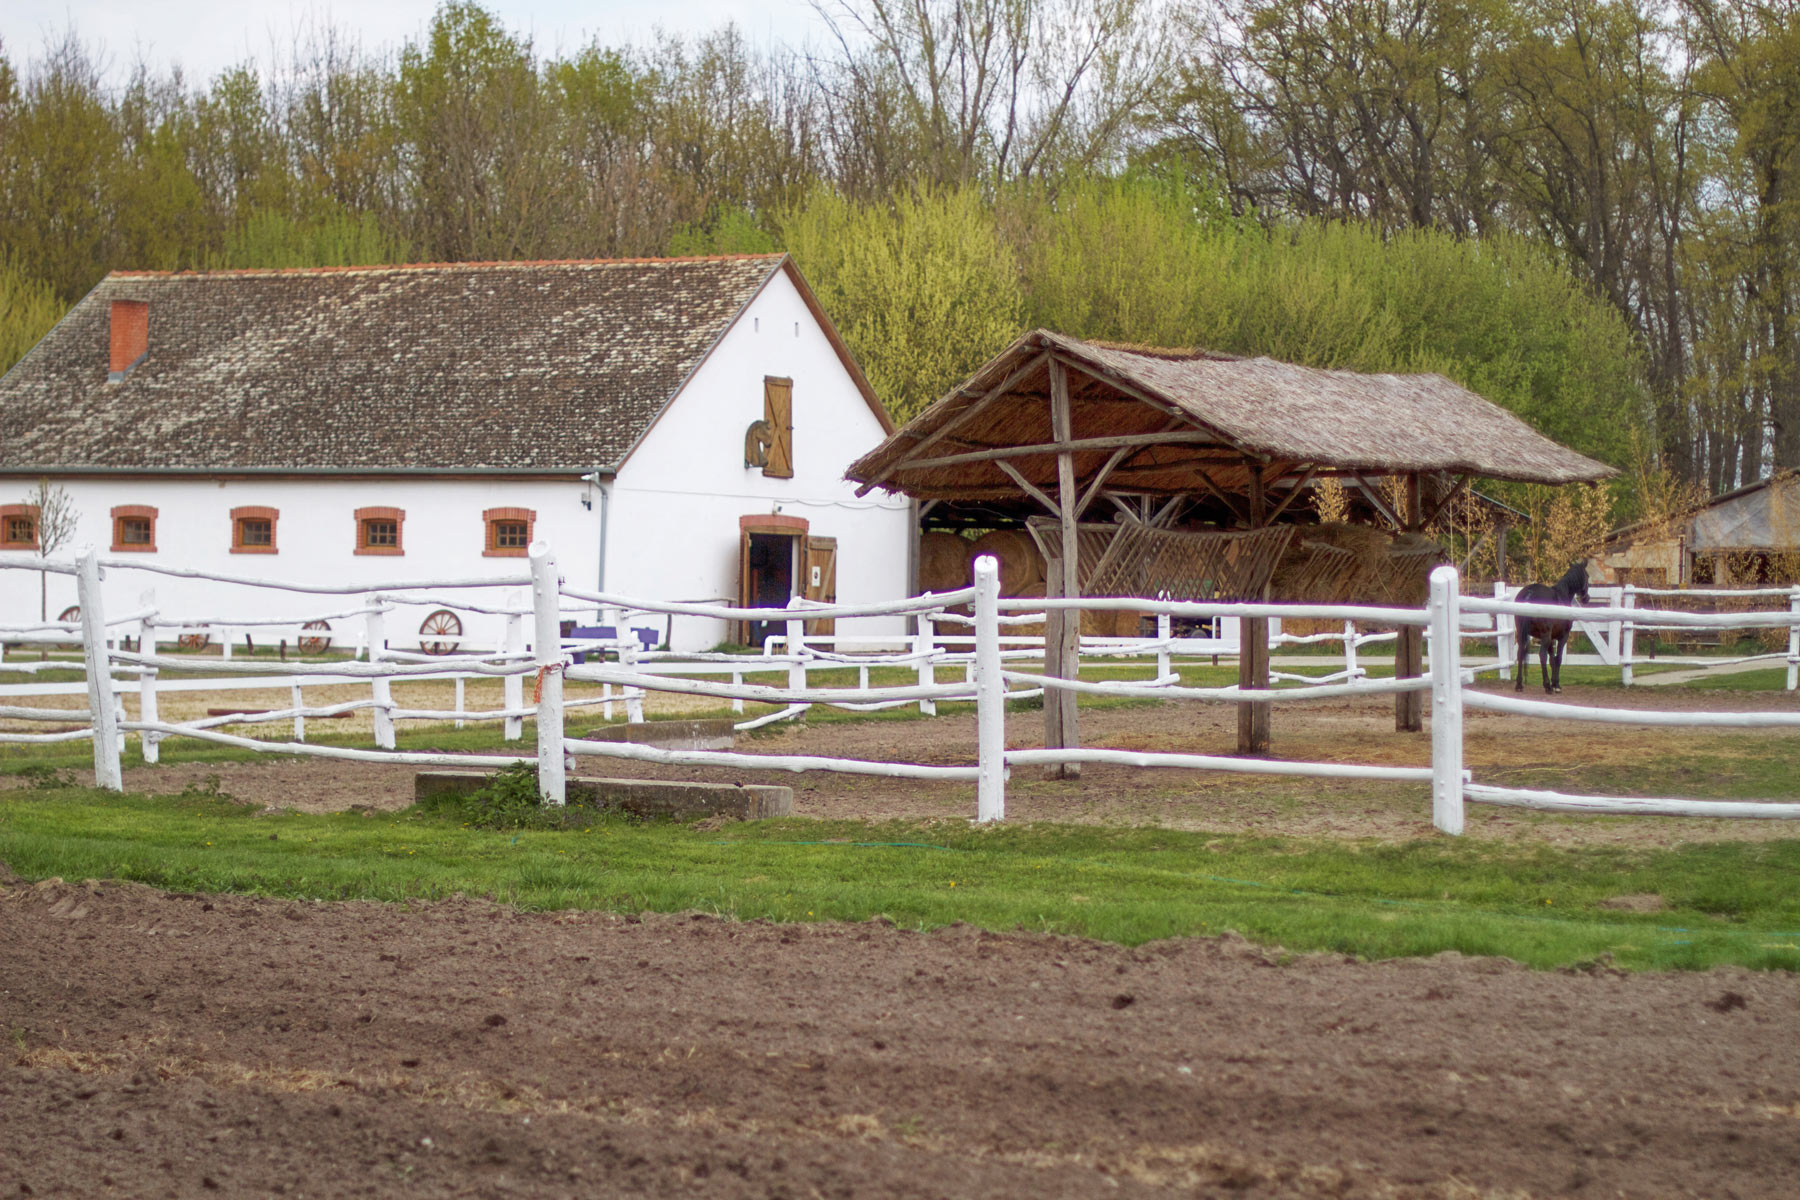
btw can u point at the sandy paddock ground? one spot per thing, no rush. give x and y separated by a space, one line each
1523 751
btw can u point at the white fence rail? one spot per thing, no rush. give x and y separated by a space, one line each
987 680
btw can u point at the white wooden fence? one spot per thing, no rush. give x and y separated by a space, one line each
987 680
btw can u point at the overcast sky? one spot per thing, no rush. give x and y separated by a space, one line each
206 36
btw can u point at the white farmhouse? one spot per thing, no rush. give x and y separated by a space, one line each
676 429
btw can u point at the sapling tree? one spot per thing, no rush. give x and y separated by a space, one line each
56 517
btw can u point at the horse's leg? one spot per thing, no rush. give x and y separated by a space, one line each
1522 650
1544 645
1556 657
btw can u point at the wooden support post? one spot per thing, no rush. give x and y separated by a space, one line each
1253 644
1409 645
1253 672
1061 725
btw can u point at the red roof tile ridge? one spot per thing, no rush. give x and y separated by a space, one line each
485 264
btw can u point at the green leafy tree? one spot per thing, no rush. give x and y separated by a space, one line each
28 308
924 290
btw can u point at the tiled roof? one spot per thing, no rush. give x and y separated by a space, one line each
501 366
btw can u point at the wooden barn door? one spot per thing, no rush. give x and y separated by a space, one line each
819 577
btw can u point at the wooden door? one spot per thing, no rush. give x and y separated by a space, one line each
778 413
819 577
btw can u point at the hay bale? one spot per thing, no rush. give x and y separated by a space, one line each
1355 564
943 562
1020 563
1033 591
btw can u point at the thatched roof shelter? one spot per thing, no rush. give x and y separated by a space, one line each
1057 422
1167 422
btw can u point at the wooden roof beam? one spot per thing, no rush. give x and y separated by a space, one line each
1127 441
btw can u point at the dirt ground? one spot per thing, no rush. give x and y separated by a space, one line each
182 1045
186 1045
1498 749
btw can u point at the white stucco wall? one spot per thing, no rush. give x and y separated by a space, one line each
673 526
671 514
315 535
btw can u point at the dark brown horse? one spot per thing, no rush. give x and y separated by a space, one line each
1552 635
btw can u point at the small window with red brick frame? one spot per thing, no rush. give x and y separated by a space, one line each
253 530
378 530
134 529
508 532
18 527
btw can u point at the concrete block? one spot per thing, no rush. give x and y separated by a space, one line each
710 734
681 801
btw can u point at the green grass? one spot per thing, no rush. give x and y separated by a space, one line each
1727 902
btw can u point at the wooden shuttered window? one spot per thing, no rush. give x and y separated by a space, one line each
778 413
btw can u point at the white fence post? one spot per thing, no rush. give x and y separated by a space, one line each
101 703
1446 702
634 696
546 604
1165 629
149 742
796 646
1627 637
379 689
462 699
1793 677
1506 631
613 618
299 702
924 646
1350 669
990 695
513 690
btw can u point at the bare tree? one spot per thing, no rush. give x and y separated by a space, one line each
56 517
1011 88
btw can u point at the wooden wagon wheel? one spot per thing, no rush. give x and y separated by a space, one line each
69 616
442 623
316 644
194 641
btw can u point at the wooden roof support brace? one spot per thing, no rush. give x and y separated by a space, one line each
967 414
1456 489
1118 456
1164 517
1293 494
1373 495
1031 489
1223 498
1062 629
1131 514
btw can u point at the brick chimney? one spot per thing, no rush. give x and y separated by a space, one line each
130 337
